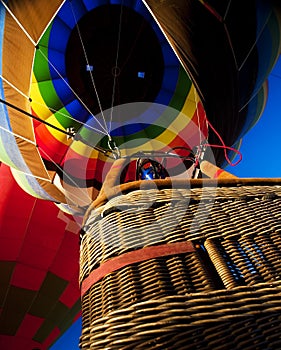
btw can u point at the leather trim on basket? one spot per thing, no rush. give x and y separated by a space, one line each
132 257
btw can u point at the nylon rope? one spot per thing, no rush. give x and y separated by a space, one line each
17 135
103 131
34 176
14 87
43 105
67 116
227 10
257 39
76 95
18 22
116 64
222 146
250 51
91 75
197 115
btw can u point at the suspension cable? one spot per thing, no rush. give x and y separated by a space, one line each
18 22
35 117
76 95
116 64
103 131
53 110
91 75
43 105
70 132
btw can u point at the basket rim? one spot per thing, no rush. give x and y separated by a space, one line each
168 183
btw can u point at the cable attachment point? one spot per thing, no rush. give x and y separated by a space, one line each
114 149
70 133
201 151
199 156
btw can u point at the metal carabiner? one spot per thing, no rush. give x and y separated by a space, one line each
114 149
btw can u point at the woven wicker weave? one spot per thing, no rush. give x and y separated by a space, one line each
223 294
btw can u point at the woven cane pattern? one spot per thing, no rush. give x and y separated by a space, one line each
245 317
226 293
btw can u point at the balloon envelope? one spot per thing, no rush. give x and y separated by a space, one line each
228 48
39 255
101 77
83 79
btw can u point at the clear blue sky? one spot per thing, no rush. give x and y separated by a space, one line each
260 146
70 339
261 158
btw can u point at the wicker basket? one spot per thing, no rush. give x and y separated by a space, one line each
183 268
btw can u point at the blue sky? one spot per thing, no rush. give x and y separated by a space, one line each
261 145
70 339
261 158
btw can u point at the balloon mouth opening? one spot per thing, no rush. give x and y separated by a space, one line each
124 63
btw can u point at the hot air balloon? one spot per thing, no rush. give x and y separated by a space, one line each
228 48
123 85
78 119
85 83
39 255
